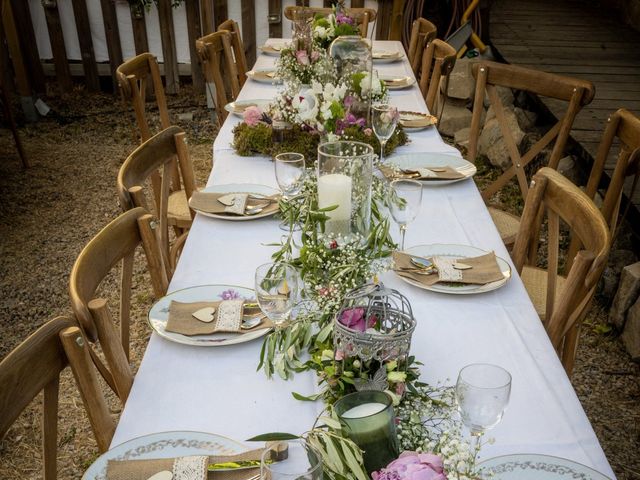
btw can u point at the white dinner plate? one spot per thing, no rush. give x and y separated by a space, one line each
406 116
273 50
414 161
244 188
159 314
536 467
456 251
263 75
386 56
237 108
407 81
164 445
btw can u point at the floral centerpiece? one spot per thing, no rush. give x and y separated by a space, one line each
302 64
326 29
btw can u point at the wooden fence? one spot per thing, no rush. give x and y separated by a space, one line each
71 26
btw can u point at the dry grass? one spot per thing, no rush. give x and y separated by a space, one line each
48 213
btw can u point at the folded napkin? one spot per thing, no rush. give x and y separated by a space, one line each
425 173
396 82
264 75
183 468
416 121
241 108
384 54
484 269
226 317
235 204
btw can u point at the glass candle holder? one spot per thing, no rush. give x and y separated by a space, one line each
351 55
368 419
302 462
344 173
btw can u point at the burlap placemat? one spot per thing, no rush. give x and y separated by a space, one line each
181 319
440 173
484 269
208 202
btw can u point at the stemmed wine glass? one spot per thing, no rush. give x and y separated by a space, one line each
384 121
404 202
482 394
276 287
289 175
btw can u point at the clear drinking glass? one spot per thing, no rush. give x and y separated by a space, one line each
276 287
405 202
301 463
482 394
384 119
289 175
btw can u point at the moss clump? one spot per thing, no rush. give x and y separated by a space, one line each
249 141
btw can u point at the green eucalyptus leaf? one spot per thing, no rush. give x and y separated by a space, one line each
272 437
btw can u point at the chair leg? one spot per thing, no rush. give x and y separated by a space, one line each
14 130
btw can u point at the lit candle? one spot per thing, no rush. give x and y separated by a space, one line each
335 189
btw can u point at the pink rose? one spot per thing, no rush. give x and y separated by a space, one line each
413 466
400 388
315 55
302 57
252 116
368 132
339 355
354 318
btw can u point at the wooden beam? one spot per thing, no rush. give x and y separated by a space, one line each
206 14
139 27
168 37
13 42
56 37
112 36
395 23
302 3
327 3
194 32
220 11
29 47
6 72
249 31
383 19
83 28
357 3
275 18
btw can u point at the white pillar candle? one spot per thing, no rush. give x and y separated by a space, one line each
335 189
364 410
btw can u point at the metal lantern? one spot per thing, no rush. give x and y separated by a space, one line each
386 317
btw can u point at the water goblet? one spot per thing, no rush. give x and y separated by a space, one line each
404 202
384 119
302 462
289 169
276 287
482 394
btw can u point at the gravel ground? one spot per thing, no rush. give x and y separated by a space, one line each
48 213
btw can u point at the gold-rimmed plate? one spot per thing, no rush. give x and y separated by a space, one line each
238 107
273 50
415 121
258 190
266 75
397 82
386 56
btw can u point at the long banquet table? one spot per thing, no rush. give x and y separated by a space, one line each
218 390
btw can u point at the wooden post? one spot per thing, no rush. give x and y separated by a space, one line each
83 27
206 12
56 37
383 19
113 38
275 18
357 3
327 3
139 29
302 3
168 38
395 25
194 32
24 27
249 31
6 80
220 12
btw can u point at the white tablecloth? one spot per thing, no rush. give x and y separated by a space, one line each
218 389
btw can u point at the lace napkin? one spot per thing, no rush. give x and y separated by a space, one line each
183 468
227 317
425 173
484 269
236 203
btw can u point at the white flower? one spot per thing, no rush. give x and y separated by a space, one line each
306 105
316 87
366 84
332 137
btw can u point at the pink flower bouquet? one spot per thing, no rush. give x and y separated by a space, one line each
413 466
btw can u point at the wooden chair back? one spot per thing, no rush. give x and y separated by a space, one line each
34 366
490 75
239 56
422 32
362 16
133 77
158 154
438 61
115 243
220 71
554 194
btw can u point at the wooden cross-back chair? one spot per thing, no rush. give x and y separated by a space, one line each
489 75
561 301
239 56
422 32
438 61
158 153
115 243
34 366
362 16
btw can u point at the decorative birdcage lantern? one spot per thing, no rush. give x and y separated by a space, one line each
374 323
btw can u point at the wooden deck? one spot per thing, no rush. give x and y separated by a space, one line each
578 39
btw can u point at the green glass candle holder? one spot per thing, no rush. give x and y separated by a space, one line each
368 419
